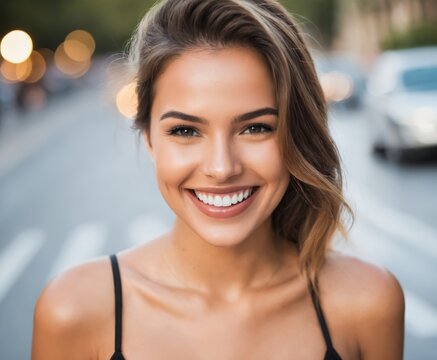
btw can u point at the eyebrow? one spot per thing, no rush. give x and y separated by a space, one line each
237 119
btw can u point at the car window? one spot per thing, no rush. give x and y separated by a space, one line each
420 79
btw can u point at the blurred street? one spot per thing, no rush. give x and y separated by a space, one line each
75 183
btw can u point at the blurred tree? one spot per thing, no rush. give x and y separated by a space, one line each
418 25
49 21
316 16
112 21
422 34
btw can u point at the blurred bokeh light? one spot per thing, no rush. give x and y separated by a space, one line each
337 86
16 72
76 50
69 66
73 56
79 45
16 46
38 67
126 101
30 70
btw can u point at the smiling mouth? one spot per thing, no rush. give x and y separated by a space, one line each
224 200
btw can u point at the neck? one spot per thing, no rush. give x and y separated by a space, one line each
226 272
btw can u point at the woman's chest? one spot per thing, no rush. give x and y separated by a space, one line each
225 336
266 327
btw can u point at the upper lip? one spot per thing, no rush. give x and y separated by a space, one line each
223 190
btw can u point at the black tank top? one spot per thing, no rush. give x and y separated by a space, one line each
331 353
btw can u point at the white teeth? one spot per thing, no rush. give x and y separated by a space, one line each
217 200
246 194
227 201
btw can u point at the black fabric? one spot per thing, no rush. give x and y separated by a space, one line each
118 308
117 356
331 353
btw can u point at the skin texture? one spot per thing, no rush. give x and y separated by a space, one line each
222 287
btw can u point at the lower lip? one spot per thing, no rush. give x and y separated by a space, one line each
222 212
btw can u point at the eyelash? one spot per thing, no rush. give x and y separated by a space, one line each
173 131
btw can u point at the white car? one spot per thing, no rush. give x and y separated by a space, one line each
402 102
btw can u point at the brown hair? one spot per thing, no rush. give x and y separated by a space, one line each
312 207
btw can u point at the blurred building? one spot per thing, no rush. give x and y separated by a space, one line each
364 26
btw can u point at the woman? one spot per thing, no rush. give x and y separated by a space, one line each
235 122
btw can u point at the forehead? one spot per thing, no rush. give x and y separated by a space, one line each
232 78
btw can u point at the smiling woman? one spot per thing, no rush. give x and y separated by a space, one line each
234 119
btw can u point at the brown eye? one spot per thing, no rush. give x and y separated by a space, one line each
258 129
183 131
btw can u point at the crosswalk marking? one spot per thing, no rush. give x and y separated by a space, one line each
85 241
398 225
368 243
17 255
146 227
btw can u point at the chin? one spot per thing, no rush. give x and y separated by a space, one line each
224 241
223 235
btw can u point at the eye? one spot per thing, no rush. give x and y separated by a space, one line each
258 129
183 131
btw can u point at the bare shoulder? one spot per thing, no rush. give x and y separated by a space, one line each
71 310
367 282
372 302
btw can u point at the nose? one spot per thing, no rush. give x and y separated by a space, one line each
222 160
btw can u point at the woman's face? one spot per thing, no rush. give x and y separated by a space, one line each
213 132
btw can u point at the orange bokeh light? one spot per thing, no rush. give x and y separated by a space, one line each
73 56
84 37
69 66
126 100
38 67
76 50
16 72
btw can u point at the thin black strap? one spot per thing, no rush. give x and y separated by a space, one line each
321 317
118 302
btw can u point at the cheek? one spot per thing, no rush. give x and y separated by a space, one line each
173 164
265 159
